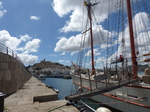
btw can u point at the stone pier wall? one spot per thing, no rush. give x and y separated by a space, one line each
13 74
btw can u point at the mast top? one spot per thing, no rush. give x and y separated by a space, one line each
88 1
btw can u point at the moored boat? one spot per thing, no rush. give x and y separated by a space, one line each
117 85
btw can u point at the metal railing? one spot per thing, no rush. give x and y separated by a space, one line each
6 50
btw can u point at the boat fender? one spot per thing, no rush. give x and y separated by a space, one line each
103 109
83 109
80 106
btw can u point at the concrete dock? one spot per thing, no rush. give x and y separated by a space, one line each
34 96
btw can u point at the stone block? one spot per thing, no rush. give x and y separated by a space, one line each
45 98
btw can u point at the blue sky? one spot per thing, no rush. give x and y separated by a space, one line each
38 20
50 29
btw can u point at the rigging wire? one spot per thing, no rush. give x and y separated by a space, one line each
112 34
82 44
135 30
119 26
143 41
107 52
115 34
100 35
146 8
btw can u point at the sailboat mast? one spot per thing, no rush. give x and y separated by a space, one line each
133 54
89 5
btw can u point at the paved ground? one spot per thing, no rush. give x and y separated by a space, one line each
28 99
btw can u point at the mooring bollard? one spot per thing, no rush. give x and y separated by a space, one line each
2 96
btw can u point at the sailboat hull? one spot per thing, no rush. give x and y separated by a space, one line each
132 97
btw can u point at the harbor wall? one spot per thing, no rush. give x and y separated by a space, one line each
35 96
13 74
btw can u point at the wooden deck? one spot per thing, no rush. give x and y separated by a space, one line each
98 91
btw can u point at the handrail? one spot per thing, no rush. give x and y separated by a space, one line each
6 50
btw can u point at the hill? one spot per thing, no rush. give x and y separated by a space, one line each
49 68
48 64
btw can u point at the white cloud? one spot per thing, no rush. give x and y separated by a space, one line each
2 11
72 53
96 52
63 7
63 61
139 19
16 44
78 12
8 40
74 24
140 27
25 37
74 10
72 44
32 46
101 60
34 18
141 42
63 53
1 5
68 45
28 59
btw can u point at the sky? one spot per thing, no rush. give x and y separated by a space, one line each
47 29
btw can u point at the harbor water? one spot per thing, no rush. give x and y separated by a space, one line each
65 87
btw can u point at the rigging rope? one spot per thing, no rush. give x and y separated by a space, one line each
108 23
146 8
57 108
135 30
144 32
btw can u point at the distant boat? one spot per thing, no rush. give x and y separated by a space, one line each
118 86
42 77
67 77
56 90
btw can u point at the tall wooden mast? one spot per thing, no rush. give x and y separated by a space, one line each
89 5
133 54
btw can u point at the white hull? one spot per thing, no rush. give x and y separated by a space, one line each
130 98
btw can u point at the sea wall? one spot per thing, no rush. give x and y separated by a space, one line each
35 96
13 74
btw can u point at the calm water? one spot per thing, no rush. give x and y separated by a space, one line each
63 85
